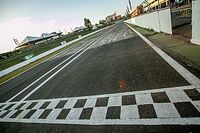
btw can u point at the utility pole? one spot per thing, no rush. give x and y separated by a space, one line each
16 41
130 4
158 4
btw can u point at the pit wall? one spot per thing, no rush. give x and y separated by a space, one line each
159 21
196 22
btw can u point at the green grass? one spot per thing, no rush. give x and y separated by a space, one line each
33 64
17 58
144 31
179 47
189 51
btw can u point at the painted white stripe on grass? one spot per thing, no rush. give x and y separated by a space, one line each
90 45
72 100
191 78
157 121
49 72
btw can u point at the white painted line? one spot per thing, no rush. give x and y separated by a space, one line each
53 104
143 99
38 105
5 106
115 101
2 112
45 74
74 114
157 121
72 100
88 46
12 68
99 113
166 110
177 96
37 114
129 112
70 104
191 78
15 106
10 114
196 104
90 103
22 114
25 105
54 114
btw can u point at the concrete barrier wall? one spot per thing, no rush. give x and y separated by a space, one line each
24 63
165 21
159 20
196 22
150 21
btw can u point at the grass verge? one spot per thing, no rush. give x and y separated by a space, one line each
35 63
183 51
17 56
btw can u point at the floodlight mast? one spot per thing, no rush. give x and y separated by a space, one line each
130 4
16 41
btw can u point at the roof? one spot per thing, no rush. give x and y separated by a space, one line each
78 28
46 35
30 39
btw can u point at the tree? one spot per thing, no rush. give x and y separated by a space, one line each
103 22
87 23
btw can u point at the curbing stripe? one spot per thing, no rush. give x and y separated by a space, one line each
187 75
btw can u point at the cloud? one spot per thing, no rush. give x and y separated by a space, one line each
21 27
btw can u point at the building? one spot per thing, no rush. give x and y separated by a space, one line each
119 17
31 41
150 5
78 29
138 11
111 18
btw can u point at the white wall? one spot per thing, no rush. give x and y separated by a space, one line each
165 21
149 21
196 22
159 21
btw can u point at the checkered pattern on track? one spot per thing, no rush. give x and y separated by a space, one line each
161 104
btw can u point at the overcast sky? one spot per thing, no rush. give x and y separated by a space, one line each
20 18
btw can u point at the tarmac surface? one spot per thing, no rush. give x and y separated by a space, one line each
106 83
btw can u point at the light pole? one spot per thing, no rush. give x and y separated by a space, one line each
130 5
158 4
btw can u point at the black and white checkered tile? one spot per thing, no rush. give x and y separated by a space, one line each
179 105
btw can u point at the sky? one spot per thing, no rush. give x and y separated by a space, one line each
21 18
